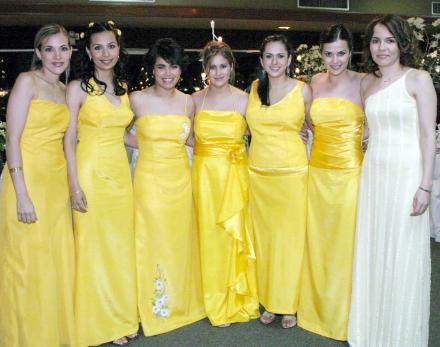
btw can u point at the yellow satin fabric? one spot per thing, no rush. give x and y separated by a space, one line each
105 305
37 260
335 164
277 197
168 262
220 186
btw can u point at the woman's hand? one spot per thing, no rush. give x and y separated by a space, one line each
25 209
78 200
420 202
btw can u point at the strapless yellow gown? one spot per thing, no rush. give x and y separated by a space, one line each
168 262
220 185
37 260
106 300
278 197
334 170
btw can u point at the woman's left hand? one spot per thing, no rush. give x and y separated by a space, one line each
420 202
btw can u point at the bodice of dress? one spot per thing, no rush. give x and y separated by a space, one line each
275 130
338 127
219 133
101 122
43 133
162 136
392 116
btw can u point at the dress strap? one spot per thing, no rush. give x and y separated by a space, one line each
204 97
233 99
36 84
186 106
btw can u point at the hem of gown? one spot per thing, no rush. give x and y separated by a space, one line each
177 325
101 341
282 311
233 321
317 329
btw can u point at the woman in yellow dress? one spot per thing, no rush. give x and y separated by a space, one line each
276 112
36 237
334 169
220 186
168 264
101 188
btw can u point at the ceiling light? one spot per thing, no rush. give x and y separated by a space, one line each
124 1
284 28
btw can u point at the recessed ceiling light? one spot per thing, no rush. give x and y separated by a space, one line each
284 28
150 1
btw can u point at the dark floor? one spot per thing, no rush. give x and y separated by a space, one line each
254 334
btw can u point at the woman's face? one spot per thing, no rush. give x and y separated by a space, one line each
336 56
104 50
166 75
383 47
275 59
55 53
218 71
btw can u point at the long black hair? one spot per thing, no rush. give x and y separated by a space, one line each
334 33
87 67
263 82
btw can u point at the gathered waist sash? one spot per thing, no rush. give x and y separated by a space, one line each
235 153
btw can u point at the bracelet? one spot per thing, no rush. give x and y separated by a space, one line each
15 169
425 190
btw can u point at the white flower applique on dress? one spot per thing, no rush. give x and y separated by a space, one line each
160 300
185 132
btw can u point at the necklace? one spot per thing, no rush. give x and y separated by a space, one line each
390 79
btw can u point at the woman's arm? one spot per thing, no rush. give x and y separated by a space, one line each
75 97
420 85
191 112
16 116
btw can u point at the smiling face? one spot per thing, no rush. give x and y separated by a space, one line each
218 71
336 56
166 75
275 59
54 53
103 50
383 47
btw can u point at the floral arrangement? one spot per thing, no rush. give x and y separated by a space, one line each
160 302
428 36
308 62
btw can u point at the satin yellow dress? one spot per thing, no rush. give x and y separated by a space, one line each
335 164
220 186
106 297
37 260
168 262
278 197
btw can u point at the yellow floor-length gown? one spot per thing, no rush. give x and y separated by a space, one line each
334 170
37 260
278 197
106 299
168 262
220 185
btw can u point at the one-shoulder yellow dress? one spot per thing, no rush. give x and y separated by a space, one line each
220 186
335 164
168 262
37 260
278 196
106 300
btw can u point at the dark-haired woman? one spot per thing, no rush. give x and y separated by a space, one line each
391 269
220 185
36 239
101 189
168 262
278 163
335 162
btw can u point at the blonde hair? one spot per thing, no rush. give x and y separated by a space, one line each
214 48
44 32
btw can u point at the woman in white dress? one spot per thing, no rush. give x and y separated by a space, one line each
390 297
